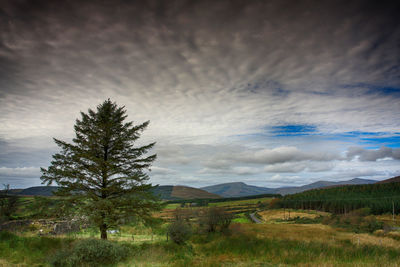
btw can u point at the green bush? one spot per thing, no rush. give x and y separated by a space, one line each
216 219
357 221
91 252
179 232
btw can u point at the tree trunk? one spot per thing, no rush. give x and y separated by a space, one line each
103 231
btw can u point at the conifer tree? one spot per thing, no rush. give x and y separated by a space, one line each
102 171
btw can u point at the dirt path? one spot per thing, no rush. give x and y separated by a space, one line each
254 218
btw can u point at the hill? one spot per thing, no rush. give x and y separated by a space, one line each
322 184
391 180
379 197
238 189
166 192
241 189
38 191
170 192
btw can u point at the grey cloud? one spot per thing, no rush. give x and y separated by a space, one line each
200 71
20 172
237 170
268 156
182 57
295 167
25 152
373 154
353 173
171 154
277 160
162 171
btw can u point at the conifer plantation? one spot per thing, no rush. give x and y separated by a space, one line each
102 172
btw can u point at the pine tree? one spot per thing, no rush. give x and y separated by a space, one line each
102 171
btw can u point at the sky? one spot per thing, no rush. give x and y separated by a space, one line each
270 93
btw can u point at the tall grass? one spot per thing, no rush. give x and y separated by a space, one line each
29 250
245 248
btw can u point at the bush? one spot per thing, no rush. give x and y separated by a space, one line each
357 221
91 252
216 218
179 232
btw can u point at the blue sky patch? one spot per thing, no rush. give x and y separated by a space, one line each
375 89
294 130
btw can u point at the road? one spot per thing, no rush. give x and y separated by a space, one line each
254 218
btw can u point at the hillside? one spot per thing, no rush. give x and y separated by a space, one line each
38 191
321 184
379 197
166 192
169 192
185 192
238 189
391 180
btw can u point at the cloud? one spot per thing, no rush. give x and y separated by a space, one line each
165 65
373 154
204 73
24 172
162 171
265 156
295 167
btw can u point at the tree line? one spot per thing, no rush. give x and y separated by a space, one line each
380 198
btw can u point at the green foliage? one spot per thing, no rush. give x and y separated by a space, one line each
357 221
340 200
216 219
8 206
242 218
179 231
50 207
101 172
303 220
91 252
8 203
206 201
28 250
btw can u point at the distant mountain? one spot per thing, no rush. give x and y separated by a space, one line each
11 191
169 192
38 191
321 184
238 189
391 180
166 192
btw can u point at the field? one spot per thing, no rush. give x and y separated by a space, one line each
299 240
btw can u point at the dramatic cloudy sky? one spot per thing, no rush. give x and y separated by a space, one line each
271 93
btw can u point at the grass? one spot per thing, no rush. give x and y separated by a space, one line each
264 200
246 249
247 245
29 250
241 218
277 242
282 216
172 206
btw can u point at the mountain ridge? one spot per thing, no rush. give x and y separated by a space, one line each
232 189
238 189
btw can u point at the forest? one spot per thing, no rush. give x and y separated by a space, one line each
380 198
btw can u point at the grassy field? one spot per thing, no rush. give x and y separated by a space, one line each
279 215
247 245
278 241
264 200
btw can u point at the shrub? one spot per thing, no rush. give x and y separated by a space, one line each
179 232
91 252
275 203
216 218
356 221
